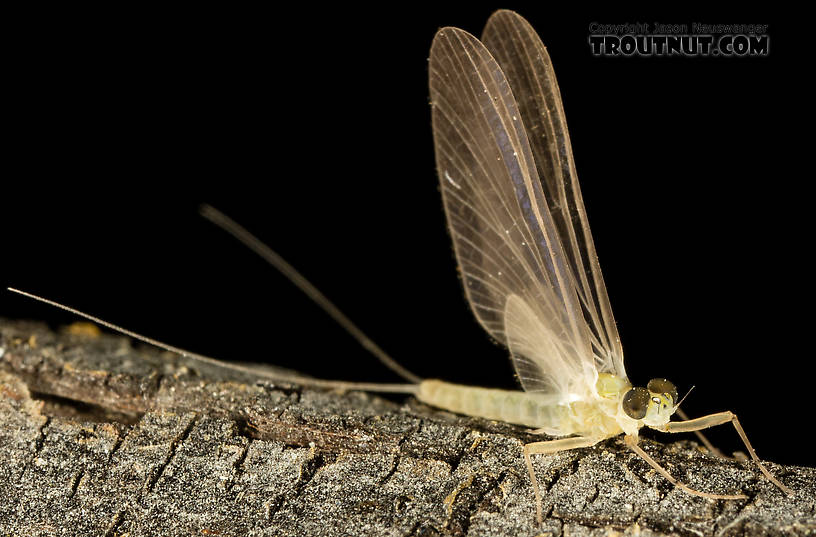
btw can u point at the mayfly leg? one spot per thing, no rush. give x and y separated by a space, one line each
549 447
702 438
631 443
721 418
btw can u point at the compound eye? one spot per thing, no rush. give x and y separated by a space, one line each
663 386
636 402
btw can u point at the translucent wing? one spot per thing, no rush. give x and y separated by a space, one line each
504 237
538 355
525 62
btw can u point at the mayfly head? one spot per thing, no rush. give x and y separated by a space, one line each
653 404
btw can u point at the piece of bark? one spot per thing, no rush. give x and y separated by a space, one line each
100 438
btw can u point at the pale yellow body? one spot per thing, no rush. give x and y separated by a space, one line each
584 421
597 417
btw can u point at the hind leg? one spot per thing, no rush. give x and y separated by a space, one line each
548 447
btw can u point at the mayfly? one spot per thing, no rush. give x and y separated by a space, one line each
526 256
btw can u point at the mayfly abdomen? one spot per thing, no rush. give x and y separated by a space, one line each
522 408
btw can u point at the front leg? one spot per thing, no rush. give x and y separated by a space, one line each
701 437
713 420
632 442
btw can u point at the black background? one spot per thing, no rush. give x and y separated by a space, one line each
312 128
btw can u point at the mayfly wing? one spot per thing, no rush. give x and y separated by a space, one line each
525 62
516 277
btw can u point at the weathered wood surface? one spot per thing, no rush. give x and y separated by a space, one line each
99 438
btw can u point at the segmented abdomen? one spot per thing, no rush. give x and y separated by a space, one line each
522 408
